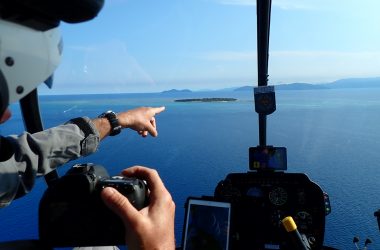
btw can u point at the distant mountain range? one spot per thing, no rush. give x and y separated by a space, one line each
290 86
176 91
373 82
339 84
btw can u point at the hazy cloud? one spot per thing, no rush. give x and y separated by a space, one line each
81 49
237 2
359 56
319 66
305 66
107 66
282 4
113 2
228 56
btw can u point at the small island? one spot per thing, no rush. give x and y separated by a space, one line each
207 100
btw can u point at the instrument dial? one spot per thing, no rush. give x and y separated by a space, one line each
304 220
278 196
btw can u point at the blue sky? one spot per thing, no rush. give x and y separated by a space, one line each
149 46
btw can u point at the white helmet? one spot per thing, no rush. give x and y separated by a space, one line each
30 42
28 57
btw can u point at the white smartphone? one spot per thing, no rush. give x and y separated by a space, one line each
207 225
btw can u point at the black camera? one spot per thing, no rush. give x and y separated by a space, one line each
72 213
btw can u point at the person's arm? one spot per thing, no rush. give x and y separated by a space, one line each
39 153
153 226
140 119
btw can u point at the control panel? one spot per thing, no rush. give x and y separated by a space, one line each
259 202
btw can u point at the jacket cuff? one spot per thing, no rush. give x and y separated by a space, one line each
91 135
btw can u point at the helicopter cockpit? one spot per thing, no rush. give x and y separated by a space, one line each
265 207
262 198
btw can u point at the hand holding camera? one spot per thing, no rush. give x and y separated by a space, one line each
133 189
153 226
72 213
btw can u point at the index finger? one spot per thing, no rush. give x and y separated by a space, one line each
157 110
151 176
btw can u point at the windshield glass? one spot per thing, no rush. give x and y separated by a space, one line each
324 61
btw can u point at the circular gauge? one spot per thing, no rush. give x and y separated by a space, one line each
304 220
278 196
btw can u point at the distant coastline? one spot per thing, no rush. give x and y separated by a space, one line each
348 83
207 100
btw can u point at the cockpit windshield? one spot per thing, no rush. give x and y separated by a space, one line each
199 59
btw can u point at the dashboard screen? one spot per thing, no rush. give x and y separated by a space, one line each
207 225
273 158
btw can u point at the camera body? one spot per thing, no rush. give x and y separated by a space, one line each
72 213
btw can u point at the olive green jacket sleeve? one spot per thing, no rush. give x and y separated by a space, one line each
27 156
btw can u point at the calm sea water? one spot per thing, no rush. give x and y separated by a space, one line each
332 135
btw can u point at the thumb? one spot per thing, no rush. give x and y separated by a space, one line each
120 205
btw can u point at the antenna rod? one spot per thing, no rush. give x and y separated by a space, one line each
263 27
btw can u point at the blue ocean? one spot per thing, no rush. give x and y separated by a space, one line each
331 135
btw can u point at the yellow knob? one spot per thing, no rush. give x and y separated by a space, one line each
289 224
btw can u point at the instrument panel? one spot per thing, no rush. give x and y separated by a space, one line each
260 200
